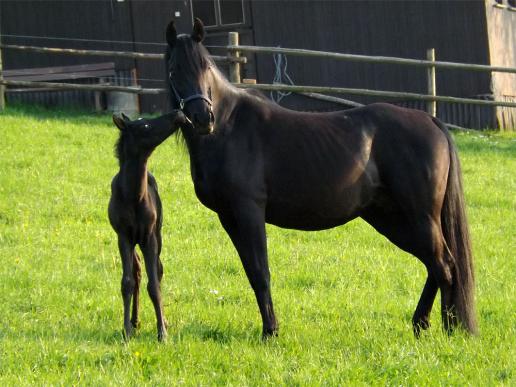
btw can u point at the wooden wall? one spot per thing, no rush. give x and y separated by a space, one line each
95 20
456 29
501 24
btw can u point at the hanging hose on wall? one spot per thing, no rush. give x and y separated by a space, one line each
280 76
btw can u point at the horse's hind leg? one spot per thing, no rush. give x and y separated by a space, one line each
432 251
128 284
443 268
137 275
424 240
421 318
150 254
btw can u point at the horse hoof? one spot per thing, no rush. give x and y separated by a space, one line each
269 334
423 324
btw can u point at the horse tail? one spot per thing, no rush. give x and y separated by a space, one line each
456 234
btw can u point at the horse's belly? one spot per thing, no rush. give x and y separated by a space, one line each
307 218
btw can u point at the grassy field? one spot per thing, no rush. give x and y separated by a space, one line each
344 297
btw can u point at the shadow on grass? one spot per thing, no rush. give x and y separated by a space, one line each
44 112
216 334
196 331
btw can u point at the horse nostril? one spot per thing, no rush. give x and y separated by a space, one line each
201 119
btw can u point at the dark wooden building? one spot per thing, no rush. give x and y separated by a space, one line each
475 31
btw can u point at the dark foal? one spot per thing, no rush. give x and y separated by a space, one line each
135 211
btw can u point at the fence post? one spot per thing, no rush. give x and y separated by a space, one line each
2 87
234 67
431 106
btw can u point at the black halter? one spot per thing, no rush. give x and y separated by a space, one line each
184 101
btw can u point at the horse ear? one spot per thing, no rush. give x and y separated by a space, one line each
119 122
198 30
171 33
126 119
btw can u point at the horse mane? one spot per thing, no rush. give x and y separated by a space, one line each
197 58
204 60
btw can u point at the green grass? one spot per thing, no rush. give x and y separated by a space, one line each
344 297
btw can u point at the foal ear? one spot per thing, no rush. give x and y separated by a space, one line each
198 30
171 33
119 122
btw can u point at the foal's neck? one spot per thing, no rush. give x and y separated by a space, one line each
133 172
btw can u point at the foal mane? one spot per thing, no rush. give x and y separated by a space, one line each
119 148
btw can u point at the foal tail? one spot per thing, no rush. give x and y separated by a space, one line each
456 234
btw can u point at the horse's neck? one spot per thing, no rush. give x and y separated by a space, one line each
225 98
134 179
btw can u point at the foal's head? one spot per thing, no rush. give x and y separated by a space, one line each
188 65
140 137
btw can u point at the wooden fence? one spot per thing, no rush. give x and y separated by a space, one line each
236 60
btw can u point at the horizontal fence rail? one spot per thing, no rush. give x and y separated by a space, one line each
371 59
234 59
377 93
76 86
276 87
119 54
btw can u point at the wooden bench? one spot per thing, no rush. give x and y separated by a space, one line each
99 71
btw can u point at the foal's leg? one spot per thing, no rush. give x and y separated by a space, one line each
137 274
246 228
128 282
150 254
160 265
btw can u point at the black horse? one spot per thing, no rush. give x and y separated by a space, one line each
135 211
253 162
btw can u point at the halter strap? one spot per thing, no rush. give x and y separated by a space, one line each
184 101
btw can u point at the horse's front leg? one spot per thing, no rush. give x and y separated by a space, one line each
245 225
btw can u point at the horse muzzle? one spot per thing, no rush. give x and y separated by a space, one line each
203 122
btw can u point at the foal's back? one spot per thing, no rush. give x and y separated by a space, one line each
135 206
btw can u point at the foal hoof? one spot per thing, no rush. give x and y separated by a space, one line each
162 336
128 333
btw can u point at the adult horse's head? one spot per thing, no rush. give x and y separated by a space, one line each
188 65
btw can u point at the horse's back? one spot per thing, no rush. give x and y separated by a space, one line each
325 169
411 154
317 168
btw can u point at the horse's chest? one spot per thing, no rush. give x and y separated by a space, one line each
205 185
